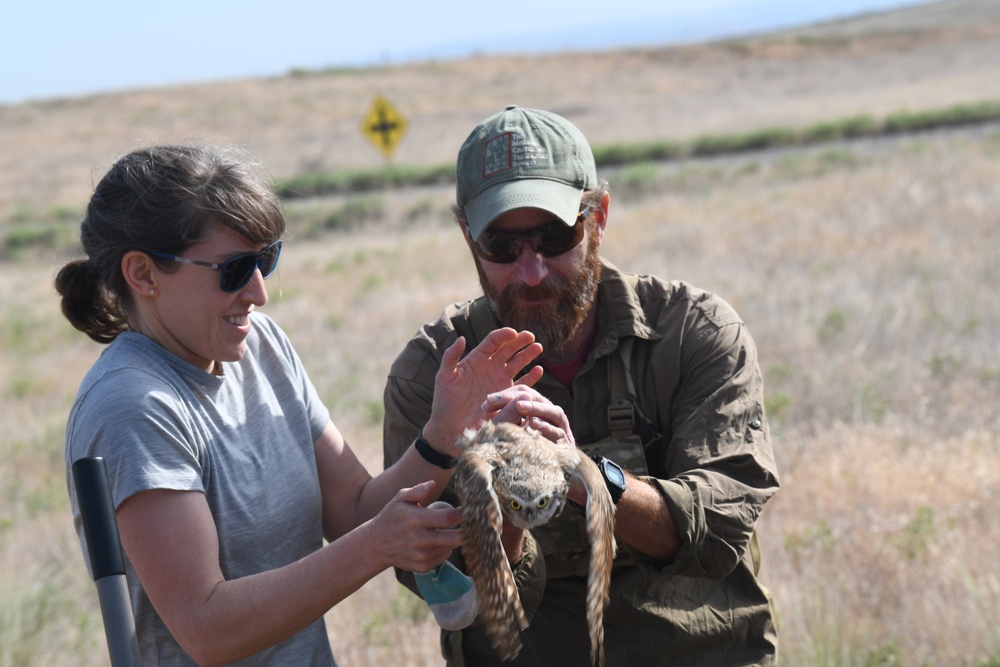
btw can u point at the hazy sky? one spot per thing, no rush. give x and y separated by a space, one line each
60 48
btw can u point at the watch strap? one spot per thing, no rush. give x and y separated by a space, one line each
433 456
616 490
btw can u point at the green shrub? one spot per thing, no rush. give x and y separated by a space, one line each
22 237
914 540
342 181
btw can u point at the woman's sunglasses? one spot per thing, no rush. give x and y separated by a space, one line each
236 272
549 240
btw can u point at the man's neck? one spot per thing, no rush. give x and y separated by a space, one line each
579 344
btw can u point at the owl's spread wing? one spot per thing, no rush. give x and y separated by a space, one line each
500 609
600 512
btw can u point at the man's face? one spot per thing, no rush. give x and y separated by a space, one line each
549 296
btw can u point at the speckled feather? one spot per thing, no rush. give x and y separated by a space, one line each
507 470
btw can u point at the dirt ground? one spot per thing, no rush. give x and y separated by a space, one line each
924 57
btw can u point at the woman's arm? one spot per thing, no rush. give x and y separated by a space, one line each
460 388
171 540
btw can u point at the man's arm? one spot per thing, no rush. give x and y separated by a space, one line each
719 464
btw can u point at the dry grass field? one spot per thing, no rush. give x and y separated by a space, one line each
867 271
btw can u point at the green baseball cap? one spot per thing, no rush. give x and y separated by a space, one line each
523 158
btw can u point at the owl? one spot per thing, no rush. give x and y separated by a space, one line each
511 471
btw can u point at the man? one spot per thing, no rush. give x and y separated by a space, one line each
658 377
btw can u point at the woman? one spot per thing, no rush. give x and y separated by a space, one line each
225 469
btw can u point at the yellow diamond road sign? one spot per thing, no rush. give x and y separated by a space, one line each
384 126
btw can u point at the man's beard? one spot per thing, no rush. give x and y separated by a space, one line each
557 321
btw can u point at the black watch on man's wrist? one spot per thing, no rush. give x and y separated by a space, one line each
613 476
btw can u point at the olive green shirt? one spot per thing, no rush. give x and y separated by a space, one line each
698 383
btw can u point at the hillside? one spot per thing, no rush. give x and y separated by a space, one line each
927 56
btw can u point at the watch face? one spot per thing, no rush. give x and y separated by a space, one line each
614 473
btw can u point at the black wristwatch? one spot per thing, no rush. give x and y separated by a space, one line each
613 475
433 456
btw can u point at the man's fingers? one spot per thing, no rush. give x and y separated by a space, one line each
496 340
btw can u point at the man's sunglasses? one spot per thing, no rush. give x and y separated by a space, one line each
236 272
549 240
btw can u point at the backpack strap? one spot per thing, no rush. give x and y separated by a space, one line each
621 409
624 416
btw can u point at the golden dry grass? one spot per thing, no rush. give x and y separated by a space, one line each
866 272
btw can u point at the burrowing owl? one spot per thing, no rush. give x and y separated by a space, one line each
513 471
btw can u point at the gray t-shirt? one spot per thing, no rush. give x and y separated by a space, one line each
244 439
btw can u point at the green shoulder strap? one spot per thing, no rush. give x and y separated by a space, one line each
621 409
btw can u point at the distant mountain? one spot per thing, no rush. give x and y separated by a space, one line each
673 25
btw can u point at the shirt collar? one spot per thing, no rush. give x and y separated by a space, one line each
620 311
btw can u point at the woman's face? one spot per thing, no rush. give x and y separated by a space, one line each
191 316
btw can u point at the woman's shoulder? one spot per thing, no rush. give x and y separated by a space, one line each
266 333
127 374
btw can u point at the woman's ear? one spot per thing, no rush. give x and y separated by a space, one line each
140 273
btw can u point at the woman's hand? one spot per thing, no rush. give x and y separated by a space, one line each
461 384
410 536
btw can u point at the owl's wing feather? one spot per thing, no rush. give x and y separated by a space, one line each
600 512
500 607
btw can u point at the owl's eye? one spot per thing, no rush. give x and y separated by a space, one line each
542 503
514 505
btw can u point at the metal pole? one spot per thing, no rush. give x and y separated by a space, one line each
107 563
